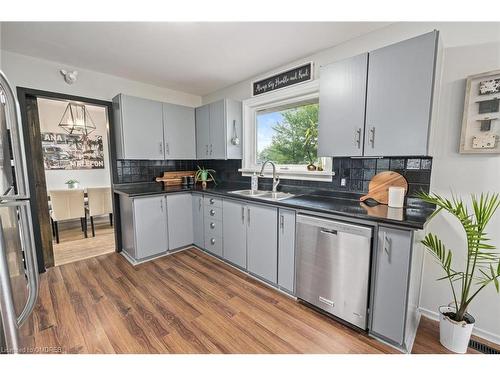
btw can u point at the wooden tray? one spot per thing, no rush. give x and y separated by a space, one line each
378 188
174 178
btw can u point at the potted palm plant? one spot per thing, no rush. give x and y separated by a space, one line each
482 264
72 184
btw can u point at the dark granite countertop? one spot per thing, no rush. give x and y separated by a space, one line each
413 216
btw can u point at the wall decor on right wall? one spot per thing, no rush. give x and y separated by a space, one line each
481 120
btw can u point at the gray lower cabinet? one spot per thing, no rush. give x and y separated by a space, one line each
144 226
342 107
180 220
392 268
235 232
262 242
179 131
399 97
286 249
198 228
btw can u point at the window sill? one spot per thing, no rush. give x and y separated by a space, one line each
324 176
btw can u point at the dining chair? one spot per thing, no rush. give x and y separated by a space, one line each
99 203
67 205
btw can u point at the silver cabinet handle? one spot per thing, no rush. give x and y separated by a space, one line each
212 225
200 199
211 148
329 231
212 201
212 212
282 222
372 136
242 214
357 137
212 241
167 148
206 151
248 215
388 246
161 148
161 205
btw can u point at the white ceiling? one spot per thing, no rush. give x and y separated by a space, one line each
197 58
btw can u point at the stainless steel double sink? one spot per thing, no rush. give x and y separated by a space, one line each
263 194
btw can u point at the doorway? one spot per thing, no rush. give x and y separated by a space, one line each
69 153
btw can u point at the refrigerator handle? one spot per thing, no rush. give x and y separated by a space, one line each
13 115
31 265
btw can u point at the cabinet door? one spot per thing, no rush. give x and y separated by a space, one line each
234 232
286 249
217 148
342 107
180 220
142 128
262 242
179 130
391 283
202 132
399 97
198 227
150 223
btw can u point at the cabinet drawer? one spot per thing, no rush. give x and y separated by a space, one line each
213 201
213 227
213 244
213 212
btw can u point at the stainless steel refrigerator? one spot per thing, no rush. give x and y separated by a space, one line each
18 264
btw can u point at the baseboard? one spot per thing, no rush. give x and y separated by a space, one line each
494 338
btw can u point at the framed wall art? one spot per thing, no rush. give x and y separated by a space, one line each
481 120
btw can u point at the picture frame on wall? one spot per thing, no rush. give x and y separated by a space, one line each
481 118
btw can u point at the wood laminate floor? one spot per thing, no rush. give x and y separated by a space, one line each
187 302
73 246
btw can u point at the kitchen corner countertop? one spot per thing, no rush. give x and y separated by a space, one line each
413 216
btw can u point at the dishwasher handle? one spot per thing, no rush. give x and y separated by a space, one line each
330 226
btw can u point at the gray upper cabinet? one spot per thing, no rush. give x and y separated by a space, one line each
179 132
379 103
150 225
202 132
262 242
286 249
139 128
235 232
216 124
392 268
399 97
198 227
342 107
180 220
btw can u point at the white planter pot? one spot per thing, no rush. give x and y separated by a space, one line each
454 335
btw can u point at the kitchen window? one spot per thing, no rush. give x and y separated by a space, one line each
283 127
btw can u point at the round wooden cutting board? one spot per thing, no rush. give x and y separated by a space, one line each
378 188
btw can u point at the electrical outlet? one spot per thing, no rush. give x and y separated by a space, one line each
343 182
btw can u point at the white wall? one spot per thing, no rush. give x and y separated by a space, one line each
40 74
469 48
50 113
464 174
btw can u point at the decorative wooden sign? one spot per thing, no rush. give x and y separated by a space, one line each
284 79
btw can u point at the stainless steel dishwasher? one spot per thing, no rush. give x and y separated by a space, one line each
333 267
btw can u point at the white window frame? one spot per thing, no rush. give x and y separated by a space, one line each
300 93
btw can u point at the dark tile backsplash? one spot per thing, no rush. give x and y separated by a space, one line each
356 172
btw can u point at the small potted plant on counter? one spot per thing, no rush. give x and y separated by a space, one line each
482 264
73 184
204 175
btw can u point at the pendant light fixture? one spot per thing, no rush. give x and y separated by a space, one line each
76 119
